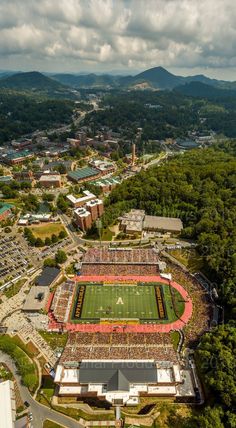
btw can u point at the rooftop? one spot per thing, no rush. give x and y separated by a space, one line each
49 177
48 276
7 404
163 223
36 299
118 375
82 173
5 207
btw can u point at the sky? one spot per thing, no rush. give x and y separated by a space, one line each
122 36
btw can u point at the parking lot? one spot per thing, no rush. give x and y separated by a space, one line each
14 260
51 251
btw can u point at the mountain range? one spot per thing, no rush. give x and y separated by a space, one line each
156 78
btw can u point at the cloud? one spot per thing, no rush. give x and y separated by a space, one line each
137 34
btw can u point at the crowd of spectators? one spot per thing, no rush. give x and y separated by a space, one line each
122 346
120 256
201 316
117 269
62 301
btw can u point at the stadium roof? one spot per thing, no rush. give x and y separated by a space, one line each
48 275
117 376
82 173
162 223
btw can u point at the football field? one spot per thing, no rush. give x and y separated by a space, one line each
120 302
152 302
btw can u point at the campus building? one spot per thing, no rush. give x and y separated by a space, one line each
17 157
84 216
96 208
7 404
48 181
136 221
79 202
83 219
83 175
125 370
5 211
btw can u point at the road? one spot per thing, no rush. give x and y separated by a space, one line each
39 411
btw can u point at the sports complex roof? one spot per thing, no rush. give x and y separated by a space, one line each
118 376
48 275
82 173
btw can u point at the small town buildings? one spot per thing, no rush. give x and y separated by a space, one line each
7 404
50 181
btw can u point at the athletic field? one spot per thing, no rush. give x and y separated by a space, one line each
143 303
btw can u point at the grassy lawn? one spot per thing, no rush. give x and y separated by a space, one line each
29 349
26 366
14 289
77 414
189 258
170 415
107 235
55 340
47 230
50 424
175 336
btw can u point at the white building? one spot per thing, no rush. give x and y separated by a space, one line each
7 404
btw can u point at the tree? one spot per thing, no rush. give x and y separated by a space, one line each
39 242
54 238
62 203
48 197
48 241
62 234
211 417
60 257
49 262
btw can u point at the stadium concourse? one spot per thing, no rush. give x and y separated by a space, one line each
62 304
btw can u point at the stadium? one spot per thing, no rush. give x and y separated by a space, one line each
119 312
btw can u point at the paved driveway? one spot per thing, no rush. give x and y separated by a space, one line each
40 412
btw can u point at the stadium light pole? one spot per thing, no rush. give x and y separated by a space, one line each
99 226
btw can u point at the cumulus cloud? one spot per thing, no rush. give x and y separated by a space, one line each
117 34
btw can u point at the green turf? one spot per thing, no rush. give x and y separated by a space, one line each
128 302
120 302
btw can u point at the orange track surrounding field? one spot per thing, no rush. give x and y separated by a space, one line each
140 328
